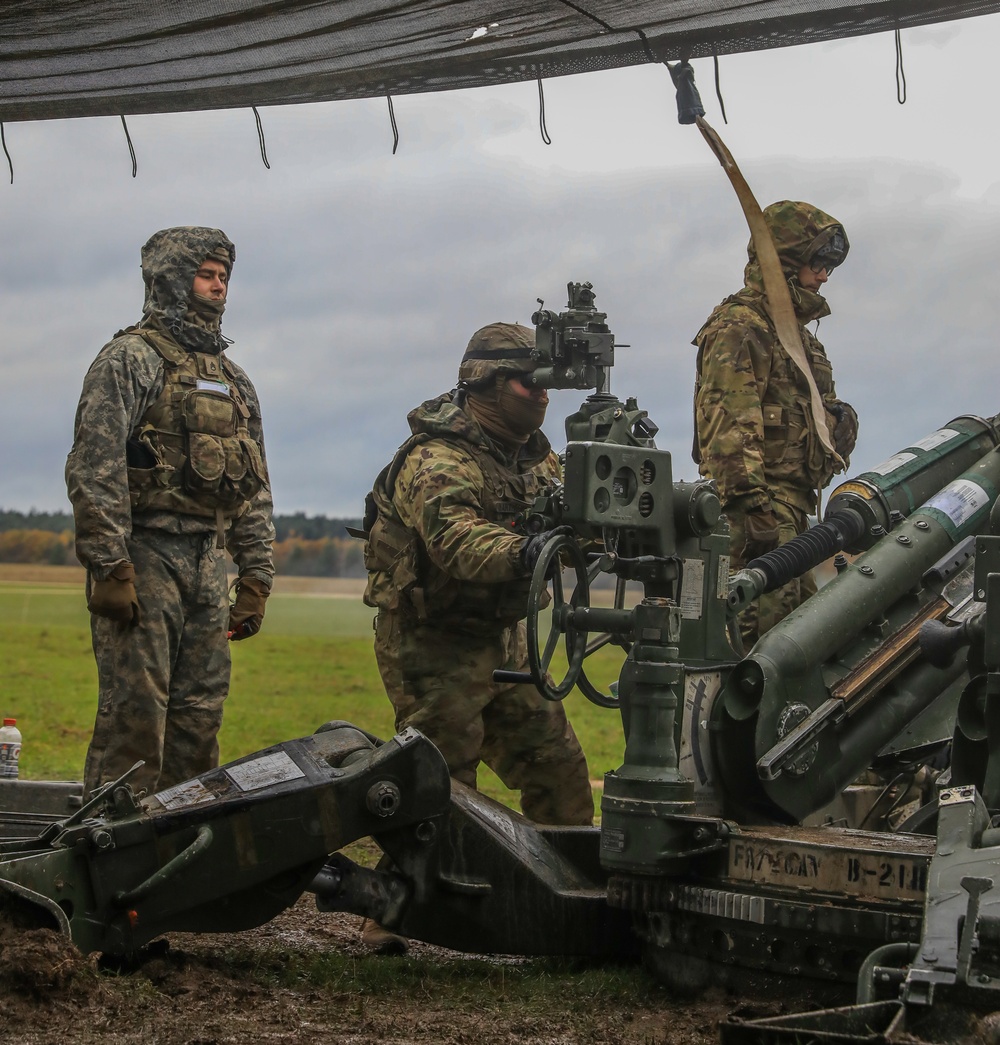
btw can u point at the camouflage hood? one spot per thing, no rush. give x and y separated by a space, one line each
799 231
170 259
444 417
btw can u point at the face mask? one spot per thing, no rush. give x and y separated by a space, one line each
523 414
505 415
204 312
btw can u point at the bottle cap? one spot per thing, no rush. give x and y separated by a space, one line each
10 721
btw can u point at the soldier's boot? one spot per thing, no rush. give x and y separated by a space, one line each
381 940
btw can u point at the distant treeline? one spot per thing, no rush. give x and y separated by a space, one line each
51 522
311 528
306 546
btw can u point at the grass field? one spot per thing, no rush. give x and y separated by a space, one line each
302 975
311 663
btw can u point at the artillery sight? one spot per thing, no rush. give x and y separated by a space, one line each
615 479
575 348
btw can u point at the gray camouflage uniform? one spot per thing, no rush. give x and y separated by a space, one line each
138 497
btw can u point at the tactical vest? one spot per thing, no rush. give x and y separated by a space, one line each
402 577
192 452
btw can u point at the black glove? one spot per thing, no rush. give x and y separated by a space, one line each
762 533
247 612
845 432
532 547
115 596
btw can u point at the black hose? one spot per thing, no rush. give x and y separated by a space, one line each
809 549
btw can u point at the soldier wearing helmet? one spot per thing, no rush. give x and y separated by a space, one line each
754 429
449 577
167 471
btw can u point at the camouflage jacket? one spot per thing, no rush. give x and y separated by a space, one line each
439 545
754 431
121 389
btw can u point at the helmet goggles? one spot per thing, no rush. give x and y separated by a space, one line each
831 252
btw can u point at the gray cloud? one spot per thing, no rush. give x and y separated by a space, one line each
360 276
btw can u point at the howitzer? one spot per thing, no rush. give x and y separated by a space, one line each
719 747
820 697
774 812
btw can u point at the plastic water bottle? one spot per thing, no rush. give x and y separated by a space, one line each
10 749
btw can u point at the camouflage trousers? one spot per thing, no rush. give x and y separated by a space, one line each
763 614
441 683
161 684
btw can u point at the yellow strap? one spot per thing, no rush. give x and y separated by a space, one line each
777 298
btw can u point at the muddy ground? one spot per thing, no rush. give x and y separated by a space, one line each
259 987
271 985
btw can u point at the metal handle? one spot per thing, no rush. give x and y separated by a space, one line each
183 859
517 677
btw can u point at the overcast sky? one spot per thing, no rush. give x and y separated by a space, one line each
361 275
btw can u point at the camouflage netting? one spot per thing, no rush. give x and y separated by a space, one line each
64 58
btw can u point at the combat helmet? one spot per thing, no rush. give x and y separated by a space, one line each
499 348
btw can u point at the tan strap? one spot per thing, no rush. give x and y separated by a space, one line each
778 299
220 528
165 347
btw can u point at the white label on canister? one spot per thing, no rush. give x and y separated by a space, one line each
942 435
274 768
894 462
960 501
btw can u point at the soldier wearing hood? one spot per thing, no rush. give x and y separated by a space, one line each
450 578
754 429
167 471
